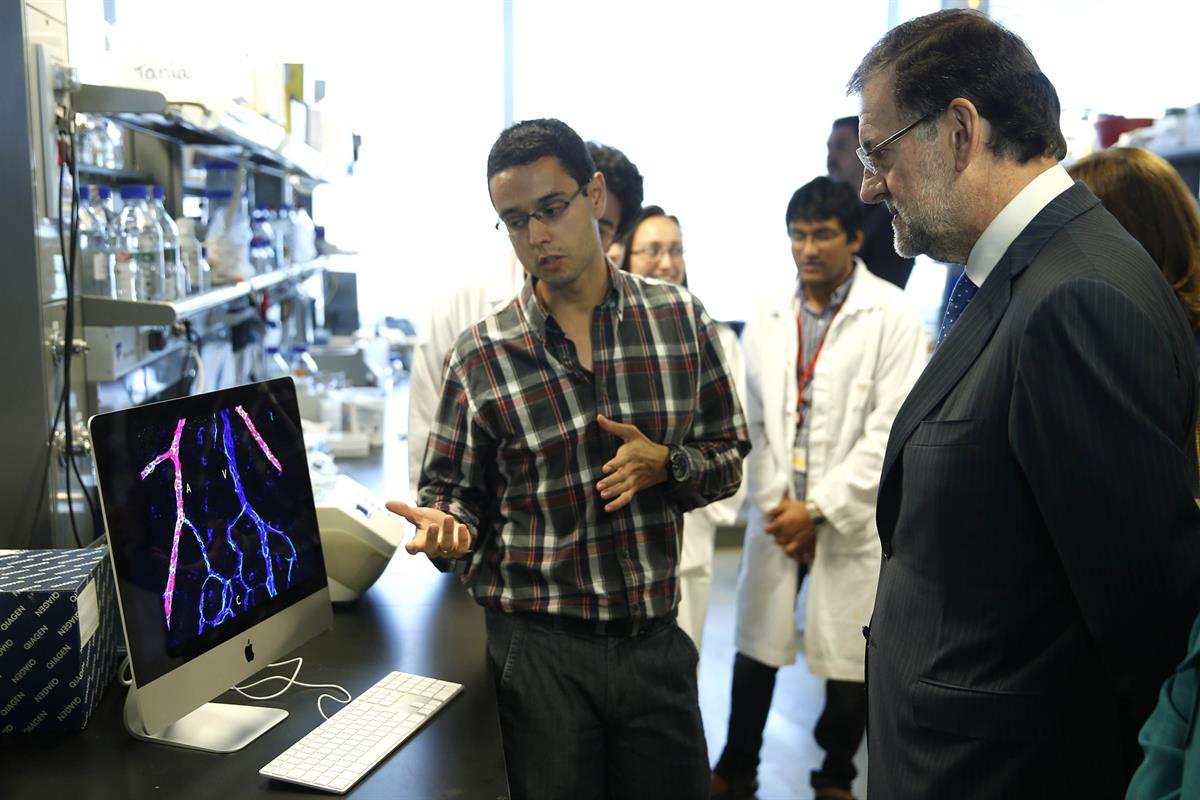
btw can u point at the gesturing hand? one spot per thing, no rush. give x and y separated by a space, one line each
438 535
638 464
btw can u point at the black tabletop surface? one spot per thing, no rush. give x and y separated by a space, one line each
414 619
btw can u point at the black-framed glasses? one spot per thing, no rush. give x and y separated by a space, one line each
656 251
548 214
865 155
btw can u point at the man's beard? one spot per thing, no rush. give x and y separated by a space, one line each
928 220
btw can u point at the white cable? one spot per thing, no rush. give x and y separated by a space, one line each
290 683
121 672
299 663
198 384
293 682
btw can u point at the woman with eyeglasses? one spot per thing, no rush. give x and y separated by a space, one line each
654 249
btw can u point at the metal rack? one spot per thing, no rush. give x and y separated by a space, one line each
105 312
155 340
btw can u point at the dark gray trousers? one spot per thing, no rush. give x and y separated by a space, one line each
586 717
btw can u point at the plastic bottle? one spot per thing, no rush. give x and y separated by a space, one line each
227 238
304 235
88 150
191 256
102 202
204 270
302 363
140 244
212 215
96 257
277 366
114 144
262 249
175 276
220 176
281 224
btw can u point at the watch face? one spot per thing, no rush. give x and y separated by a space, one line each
679 465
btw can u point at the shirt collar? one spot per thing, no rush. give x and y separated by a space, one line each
1002 231
835 300
537 315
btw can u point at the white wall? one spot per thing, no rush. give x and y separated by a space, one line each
725 107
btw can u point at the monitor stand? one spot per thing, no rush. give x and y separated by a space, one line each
213 727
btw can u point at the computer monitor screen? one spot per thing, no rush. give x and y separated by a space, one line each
214 540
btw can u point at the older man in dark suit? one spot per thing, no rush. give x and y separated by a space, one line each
1041 549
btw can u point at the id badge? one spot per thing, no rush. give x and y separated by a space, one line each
800 459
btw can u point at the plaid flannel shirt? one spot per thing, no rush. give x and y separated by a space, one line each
515 451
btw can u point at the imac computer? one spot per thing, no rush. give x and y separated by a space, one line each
215 546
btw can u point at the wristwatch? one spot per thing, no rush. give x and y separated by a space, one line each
679 466
814 512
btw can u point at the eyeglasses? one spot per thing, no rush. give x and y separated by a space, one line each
865 155
820 235
547 215
656 251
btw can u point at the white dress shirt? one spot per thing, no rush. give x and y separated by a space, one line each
1008 224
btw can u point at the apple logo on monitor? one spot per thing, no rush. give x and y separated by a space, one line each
249 650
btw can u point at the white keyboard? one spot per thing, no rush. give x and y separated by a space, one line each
349 744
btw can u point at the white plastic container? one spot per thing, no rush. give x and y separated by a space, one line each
175 277
96 258
139 249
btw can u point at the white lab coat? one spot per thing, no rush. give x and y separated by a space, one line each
874 351
700 525
448 317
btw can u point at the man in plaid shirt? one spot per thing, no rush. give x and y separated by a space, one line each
575 427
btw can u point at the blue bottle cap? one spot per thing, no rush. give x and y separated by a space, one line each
133 191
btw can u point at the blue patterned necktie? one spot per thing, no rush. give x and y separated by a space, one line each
964 290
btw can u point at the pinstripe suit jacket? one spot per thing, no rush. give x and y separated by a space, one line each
1041 550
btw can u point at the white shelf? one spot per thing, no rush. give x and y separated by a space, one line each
266 142
103 312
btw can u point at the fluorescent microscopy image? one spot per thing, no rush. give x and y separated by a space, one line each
216 493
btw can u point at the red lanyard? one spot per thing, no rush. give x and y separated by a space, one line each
806 374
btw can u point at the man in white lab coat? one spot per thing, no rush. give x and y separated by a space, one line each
829 360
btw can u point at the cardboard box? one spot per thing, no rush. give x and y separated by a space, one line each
58 637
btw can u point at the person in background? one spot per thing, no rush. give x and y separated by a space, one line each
878 251
1040 542
830 358
656 251
575 427
616 250
464 307
1151 201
